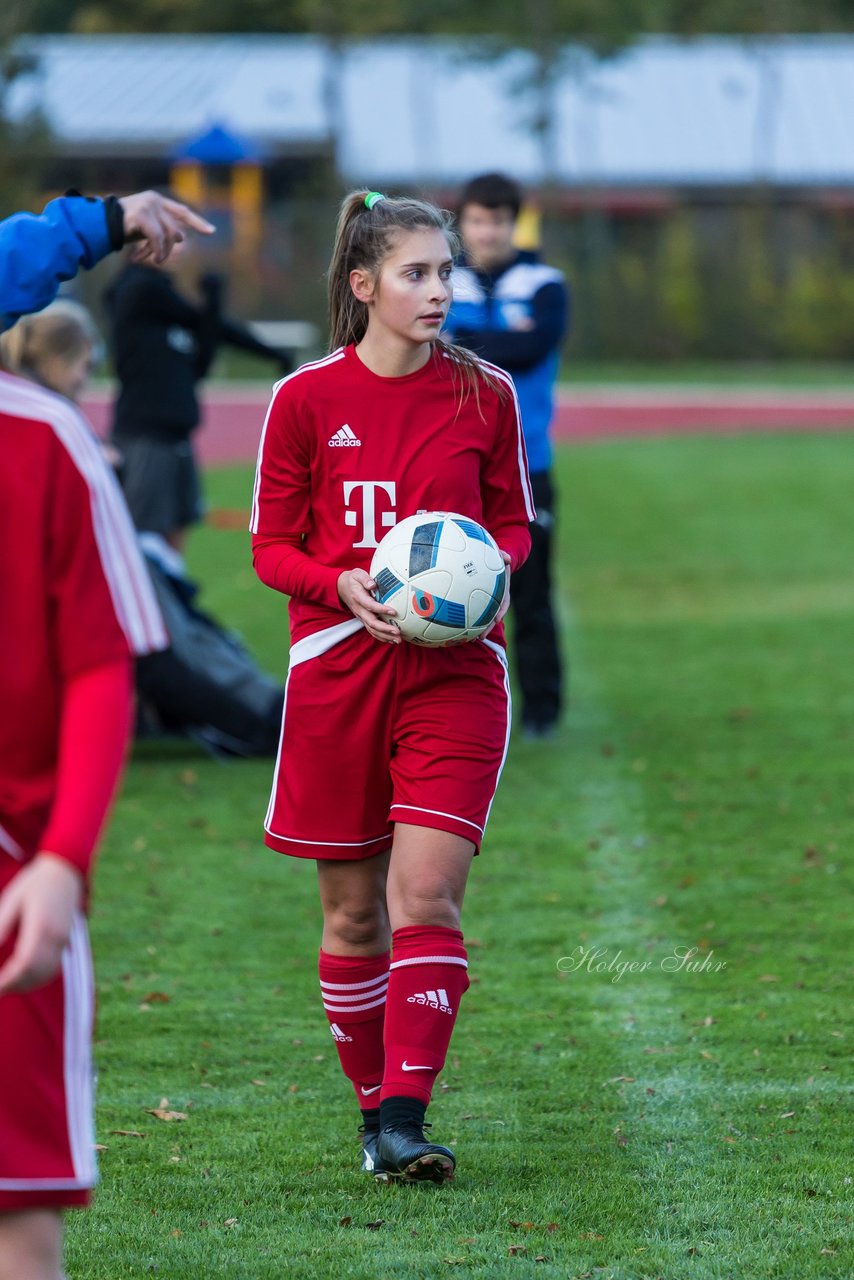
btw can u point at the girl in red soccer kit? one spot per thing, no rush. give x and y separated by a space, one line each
77 605
390 753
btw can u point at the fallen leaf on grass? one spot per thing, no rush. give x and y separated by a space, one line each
786 1115
156 997
99 1146
516 1251
230 1222
259 1084
375 1225
345 1222
619 1080
163 1113
831 1251
769 977
127 1133
540 1258
176 1233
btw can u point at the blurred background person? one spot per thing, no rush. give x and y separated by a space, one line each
163 344
513 310
58 347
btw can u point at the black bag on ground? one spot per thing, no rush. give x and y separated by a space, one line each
206 685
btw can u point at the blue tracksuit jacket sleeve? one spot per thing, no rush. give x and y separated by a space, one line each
39 251
514 349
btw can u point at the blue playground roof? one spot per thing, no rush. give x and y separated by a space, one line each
709 111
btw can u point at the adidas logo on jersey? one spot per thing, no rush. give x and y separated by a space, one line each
344 438
432 999
338 1033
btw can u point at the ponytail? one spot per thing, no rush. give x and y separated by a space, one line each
364 237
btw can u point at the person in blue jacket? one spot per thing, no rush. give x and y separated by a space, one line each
39 251
513 310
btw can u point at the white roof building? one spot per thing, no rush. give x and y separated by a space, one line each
704 112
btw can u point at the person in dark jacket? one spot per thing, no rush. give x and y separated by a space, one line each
163 345
513 310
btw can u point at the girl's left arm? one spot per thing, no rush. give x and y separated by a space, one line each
508 504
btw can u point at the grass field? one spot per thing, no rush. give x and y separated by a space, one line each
679 1118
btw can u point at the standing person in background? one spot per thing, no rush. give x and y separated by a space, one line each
77 606
163 345
513 311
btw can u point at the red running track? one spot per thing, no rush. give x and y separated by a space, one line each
233 416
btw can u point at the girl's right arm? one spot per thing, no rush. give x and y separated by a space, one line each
281 517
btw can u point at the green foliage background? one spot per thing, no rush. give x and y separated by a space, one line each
603 20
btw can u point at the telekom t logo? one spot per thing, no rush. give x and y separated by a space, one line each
372 514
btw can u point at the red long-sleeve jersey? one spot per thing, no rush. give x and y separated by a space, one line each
345 454
76 604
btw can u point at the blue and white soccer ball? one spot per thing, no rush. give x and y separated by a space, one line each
444 575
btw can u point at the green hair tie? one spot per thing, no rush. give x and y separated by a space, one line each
372 198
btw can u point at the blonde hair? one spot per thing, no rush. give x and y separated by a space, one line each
64 330
364 238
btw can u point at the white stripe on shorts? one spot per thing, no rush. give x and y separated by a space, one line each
79 1011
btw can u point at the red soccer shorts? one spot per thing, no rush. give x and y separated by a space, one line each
374 734
47 1144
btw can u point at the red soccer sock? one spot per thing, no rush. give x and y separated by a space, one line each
354 995
427 978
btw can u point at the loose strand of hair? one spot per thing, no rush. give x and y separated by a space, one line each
473 374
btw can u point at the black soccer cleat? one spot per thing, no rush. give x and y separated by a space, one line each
403 1152
368 1138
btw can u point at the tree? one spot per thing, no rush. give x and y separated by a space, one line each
603 23
22 148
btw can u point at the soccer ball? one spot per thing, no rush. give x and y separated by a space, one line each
444 575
